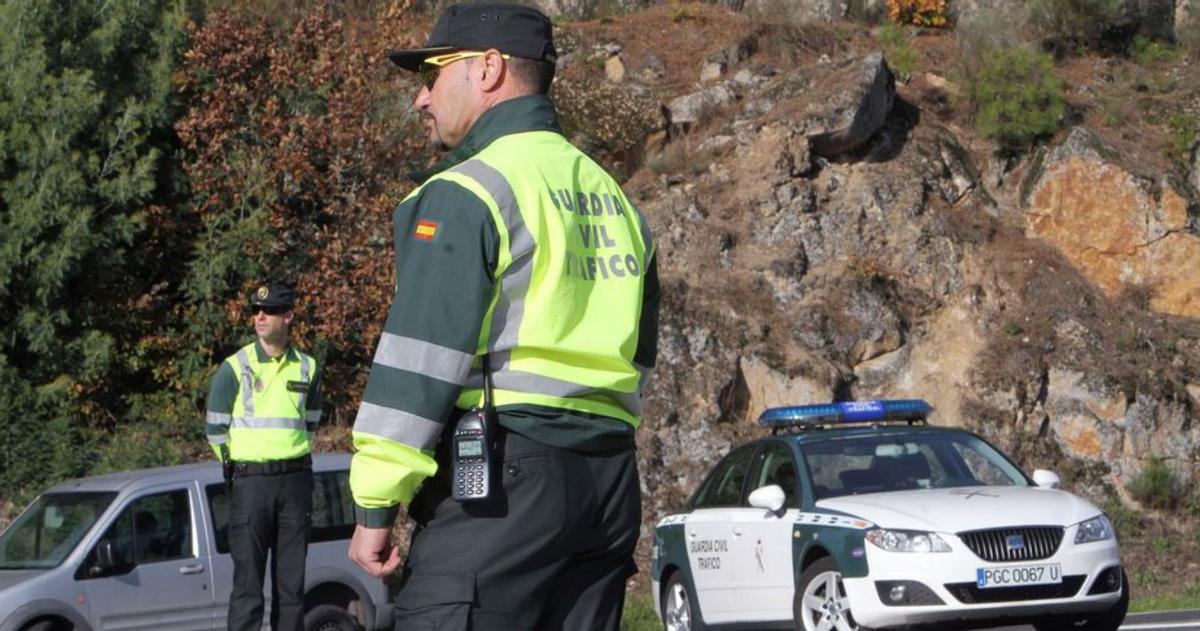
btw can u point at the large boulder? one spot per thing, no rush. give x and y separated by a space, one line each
1121 229
685 111
800 11
847 104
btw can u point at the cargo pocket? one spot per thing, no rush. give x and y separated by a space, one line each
435 601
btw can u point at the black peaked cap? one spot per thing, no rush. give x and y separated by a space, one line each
513 29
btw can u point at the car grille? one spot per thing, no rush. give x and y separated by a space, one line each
1037 542
970 594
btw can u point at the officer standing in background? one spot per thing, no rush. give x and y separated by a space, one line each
519 261
264 404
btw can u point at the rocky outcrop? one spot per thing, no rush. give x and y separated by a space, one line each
1119 228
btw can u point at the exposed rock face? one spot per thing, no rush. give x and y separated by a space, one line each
1117 227
846 108
586 8
1187 21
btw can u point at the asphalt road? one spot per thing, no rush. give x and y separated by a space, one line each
1152 621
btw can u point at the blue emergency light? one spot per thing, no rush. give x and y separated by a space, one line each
845 412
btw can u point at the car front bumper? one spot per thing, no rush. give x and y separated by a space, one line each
951 576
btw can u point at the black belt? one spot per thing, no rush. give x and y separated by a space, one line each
273 467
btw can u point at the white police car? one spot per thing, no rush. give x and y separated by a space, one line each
857 515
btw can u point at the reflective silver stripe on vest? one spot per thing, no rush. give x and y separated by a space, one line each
266 422
520 381
510 306
304 366
424 358
218 439
397 425
247 383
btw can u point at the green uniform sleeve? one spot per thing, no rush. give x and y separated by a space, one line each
446 248
313 403
647 346
221 394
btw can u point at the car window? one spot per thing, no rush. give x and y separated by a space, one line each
724 485
873 464
775 465
153 528
50 528
332 509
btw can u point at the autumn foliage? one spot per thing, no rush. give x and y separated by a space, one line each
297 147
918 12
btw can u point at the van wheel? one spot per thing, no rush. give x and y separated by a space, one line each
329 618
47 625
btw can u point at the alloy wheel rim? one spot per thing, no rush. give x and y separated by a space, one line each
679 612
825 606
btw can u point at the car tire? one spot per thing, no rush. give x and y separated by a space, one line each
329 618
1107 620
44 625
820 596
680 610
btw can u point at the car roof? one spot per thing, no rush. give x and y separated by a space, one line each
203 472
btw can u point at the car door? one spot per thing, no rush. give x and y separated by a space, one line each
158 579
762 563
709 534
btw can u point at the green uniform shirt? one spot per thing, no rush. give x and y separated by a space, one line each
447 246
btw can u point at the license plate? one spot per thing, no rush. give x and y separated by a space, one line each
1045 574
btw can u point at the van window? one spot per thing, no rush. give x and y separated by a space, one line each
151 529
49 529
332 509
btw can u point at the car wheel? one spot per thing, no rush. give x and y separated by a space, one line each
44 625
679 606
821 602
1107 620
329 618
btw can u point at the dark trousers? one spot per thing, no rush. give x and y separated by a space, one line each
269 513
551 549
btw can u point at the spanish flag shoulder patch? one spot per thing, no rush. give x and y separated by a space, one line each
426 230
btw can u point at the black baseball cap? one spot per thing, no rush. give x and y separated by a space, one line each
512 29
273 294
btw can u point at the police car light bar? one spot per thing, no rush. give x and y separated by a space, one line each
846 412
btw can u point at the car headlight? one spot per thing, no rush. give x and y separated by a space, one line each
1097 528
907 541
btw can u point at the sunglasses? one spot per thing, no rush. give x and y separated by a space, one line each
432 66
256 309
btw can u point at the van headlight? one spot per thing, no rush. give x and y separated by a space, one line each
1097 528
906 540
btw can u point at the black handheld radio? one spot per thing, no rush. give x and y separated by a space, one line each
471 449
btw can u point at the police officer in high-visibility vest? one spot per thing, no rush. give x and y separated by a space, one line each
520 264
264 404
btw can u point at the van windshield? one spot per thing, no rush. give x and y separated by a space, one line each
50 528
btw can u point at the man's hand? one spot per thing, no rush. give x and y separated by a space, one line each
372 549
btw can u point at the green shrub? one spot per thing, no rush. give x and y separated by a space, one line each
1017 96
1152 485
901 57
638 614
1149 52
1183 130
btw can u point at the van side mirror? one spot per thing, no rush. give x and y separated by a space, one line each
106 562
1046 479
770 497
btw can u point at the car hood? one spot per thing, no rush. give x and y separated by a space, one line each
965 508
8 578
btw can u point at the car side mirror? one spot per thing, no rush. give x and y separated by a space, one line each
770 497
1046 479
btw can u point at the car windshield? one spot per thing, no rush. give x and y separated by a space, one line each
877 464
50 528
